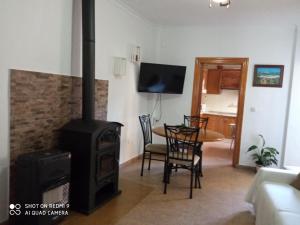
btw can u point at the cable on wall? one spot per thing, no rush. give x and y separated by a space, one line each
159 105
160 108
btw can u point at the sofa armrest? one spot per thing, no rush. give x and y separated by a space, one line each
269 175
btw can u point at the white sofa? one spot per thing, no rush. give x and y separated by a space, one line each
274 200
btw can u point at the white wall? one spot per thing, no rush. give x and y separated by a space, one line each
292 148
117 30
262 44
35 35
226 101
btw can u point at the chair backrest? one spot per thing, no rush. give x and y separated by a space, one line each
145 121
181 142
195 121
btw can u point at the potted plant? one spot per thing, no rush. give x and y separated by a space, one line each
263 156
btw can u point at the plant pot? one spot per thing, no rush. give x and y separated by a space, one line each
258 167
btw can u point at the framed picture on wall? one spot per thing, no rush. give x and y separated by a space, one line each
268 75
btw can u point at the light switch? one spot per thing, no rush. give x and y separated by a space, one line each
252 109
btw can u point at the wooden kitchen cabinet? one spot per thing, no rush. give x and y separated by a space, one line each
216 79
219 123
230 79
213 81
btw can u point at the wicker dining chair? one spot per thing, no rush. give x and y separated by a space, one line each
150 149
182 153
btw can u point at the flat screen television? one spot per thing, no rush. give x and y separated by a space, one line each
159 78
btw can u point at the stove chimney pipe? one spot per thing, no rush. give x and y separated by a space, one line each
88 60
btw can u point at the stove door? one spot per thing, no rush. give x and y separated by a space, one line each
107 157
105 165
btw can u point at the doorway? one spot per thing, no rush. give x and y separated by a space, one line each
201 67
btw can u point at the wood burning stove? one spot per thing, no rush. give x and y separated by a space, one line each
95 145
95 148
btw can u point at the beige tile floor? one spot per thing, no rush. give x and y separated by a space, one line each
142 202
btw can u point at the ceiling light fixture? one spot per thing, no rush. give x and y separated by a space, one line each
222 3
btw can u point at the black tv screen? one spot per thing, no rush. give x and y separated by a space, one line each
159 78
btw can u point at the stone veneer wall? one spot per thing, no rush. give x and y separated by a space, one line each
40 104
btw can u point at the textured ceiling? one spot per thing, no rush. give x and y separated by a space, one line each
197 12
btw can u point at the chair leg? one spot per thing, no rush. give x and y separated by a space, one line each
200 163
169 172
149 164
197 178
165 188
191 185
166 177
199 183
142 169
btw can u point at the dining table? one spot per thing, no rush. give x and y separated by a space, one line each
205 135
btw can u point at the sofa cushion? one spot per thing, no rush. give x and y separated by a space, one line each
269 175
287 218
283 196
296 182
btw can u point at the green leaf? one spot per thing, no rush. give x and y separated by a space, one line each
258 163
252 148
263 139
274 161
271 149
267 154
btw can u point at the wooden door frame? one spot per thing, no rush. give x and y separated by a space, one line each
197 88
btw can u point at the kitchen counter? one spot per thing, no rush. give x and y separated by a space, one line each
219 113
220 121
